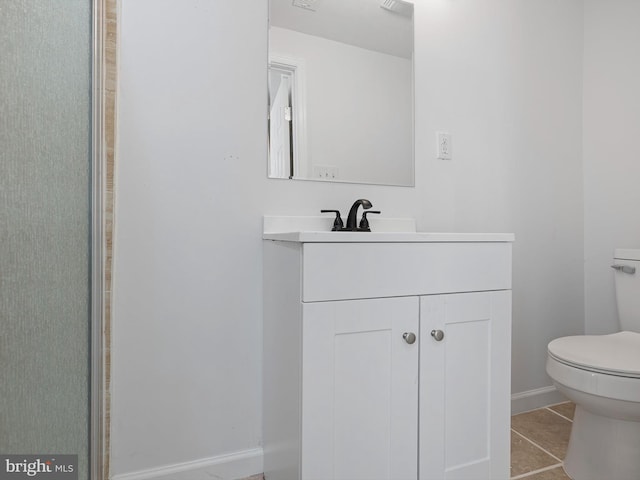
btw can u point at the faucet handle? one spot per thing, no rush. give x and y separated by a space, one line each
337 223
364 222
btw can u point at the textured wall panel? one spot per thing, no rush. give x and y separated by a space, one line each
45 83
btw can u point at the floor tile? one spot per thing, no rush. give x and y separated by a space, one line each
546 429
553 474
526 457
566 409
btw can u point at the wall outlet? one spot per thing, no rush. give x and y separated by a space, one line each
325 172
443 140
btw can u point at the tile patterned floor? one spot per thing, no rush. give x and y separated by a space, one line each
539 442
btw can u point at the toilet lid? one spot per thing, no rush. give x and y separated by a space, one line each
615 354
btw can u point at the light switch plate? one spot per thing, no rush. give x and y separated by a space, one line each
443 140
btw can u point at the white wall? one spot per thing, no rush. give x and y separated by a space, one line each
611 149
359 108
192 188
505 78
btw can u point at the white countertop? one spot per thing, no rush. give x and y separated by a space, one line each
386 237
385 230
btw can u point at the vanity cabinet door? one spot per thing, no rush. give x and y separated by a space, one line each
464 385
360 389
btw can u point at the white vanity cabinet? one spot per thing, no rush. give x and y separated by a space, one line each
465 392
386 357
359 389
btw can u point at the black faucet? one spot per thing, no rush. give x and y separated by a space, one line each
353 213
337 223
353 217
364 222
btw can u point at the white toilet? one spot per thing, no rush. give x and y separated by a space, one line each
601 374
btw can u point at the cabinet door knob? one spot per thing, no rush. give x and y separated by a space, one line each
409 337
437 334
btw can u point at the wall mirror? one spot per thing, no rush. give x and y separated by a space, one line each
341 91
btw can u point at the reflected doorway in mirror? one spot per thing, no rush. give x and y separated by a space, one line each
287 119
280 134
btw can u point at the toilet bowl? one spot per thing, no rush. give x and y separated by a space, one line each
601 375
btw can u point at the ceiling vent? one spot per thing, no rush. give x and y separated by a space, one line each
306 4
398 6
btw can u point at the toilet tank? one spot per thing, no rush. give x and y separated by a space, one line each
627 286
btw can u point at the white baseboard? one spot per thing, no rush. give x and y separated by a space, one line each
245 463
537 398
232 466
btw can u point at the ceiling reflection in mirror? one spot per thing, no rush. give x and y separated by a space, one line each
341 91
